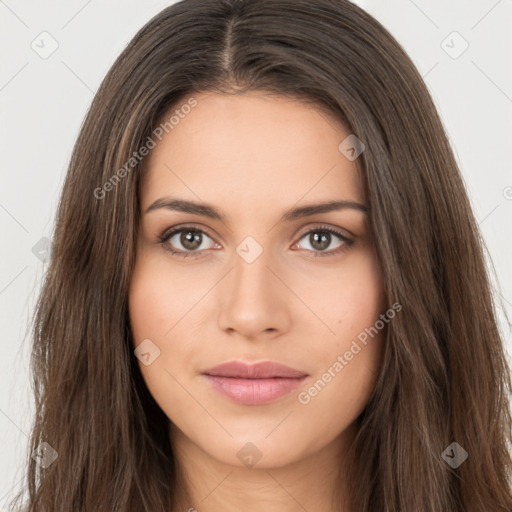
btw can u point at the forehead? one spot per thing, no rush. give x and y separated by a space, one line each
250 150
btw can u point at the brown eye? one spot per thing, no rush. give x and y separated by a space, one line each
322 238
190 240
184 241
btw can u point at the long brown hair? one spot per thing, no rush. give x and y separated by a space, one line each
444 376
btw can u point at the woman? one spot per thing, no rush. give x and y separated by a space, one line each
267 288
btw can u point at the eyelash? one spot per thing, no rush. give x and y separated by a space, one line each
167 235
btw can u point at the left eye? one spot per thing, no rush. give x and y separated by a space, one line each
320 239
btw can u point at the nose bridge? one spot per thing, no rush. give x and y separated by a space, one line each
251 275
252 297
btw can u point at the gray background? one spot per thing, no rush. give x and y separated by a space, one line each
43 102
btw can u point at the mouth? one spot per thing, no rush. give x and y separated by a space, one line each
254 384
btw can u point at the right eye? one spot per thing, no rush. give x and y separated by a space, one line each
190 238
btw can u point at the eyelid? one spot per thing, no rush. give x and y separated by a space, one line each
182 227
322 226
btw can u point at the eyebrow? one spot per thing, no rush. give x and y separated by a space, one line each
211 212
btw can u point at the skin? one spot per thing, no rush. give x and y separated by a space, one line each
254 156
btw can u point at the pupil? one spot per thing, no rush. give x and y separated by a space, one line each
320 242
191 239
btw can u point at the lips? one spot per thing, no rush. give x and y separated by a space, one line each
262 370
254 384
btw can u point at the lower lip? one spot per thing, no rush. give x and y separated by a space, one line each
254 391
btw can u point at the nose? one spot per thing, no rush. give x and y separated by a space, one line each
253 299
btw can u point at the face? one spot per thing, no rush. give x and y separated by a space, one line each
249 283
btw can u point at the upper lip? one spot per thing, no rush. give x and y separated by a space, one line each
261 370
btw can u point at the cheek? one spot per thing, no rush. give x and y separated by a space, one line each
347 359
154 306
163 303
347 300
154 311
